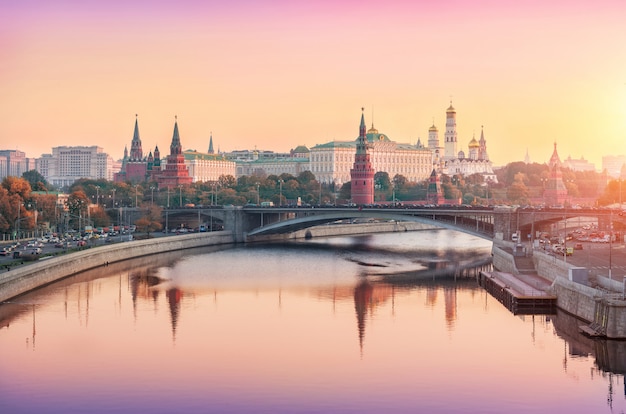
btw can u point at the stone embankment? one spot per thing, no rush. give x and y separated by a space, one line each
22 279
601 306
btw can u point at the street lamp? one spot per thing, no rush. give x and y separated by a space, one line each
113 203
136 195
280 194
152 196
257 194
180 195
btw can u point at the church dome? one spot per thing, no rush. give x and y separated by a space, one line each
451 108
433 128
372 130
473 143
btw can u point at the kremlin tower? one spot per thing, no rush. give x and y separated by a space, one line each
133 165
175 172
434 193
362 173
555 192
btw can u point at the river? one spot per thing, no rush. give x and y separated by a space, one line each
364 324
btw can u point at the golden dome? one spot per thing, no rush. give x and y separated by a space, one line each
473 143
433 128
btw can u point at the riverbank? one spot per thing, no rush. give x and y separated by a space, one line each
30 276
597 301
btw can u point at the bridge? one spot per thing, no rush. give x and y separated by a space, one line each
487 222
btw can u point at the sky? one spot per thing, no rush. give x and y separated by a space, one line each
273 75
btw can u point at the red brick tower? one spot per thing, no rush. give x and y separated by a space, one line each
362 173
175 172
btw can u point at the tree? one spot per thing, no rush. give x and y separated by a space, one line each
227 181
77 203
150 221
305 177
382 181
17 186
345 192
518 192
36 180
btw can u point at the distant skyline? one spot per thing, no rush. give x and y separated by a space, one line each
277 74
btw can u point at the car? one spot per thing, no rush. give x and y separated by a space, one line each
5 251
578 246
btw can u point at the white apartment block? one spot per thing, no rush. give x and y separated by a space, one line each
68 164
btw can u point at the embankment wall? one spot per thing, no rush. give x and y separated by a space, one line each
22 279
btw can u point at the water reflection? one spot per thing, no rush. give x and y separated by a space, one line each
300 328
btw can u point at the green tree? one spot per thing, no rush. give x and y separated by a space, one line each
36 180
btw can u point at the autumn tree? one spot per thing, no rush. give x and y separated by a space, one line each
518 191
76 204
150 221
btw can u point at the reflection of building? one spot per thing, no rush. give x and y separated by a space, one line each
367 297
174 295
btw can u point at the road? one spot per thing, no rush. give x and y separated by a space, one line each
599 258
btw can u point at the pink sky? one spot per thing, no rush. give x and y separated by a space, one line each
277 74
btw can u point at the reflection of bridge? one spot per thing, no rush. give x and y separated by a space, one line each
485 222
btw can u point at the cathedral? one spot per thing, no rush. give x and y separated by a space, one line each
451 162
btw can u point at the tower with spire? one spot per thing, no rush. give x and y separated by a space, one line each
434 193
555 193
482 146
362 173
175 172
450 137
211 144
134 166
136 152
